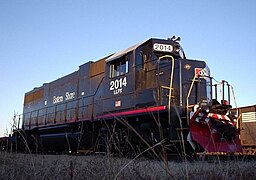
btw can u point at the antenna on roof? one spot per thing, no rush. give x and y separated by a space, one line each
175 39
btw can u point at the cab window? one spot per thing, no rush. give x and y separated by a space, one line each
140 58
119 66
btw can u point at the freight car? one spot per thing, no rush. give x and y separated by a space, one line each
247 124
149 95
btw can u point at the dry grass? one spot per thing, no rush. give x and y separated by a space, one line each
31 166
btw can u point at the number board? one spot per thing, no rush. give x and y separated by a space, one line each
117 85
163 47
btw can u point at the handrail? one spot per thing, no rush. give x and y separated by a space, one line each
170 86
189 93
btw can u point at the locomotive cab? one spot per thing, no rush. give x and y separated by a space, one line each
119 84
153 66
132 79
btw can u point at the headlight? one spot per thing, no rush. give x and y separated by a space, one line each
179 50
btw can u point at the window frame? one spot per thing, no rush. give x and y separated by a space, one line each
140 60
119 66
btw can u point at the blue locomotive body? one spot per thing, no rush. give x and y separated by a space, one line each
143 94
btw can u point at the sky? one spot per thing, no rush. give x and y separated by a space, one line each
42 40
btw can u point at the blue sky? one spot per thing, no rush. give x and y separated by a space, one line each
42 40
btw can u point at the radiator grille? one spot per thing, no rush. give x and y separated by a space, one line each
249 117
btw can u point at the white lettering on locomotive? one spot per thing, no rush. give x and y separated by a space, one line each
117 85
70 95
57 99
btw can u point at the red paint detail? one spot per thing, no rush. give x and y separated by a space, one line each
215 116
197 70
133 112
125 113
206 136
219 117
225 102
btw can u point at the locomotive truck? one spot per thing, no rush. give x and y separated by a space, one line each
147 95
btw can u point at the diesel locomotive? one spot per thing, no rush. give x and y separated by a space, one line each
147 95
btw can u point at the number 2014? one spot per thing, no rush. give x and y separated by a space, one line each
118 83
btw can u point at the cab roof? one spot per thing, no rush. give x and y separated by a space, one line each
123 52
